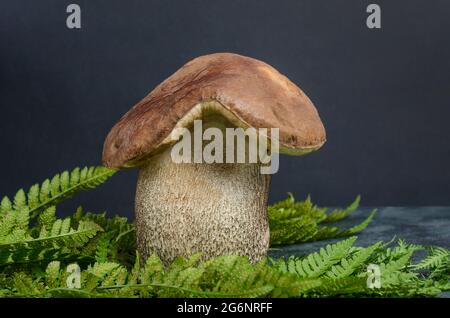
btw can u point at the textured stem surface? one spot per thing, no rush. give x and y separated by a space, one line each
215 209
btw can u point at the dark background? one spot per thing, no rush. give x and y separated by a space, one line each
383 95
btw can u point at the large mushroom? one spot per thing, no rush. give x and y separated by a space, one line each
208 208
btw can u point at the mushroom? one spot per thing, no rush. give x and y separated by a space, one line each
208 208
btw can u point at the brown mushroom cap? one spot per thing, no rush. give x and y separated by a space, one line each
251 90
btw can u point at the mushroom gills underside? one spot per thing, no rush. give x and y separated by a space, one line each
208 208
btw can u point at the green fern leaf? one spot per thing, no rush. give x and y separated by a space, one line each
48 246
52 192
316 264
52 274
352 264
434 259
339 214
327 232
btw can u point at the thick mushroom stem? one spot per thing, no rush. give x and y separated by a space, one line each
213 209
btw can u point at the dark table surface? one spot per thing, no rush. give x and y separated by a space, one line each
418 225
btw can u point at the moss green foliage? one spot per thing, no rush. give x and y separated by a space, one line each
36 248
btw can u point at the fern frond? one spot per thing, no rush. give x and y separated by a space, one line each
289 209
291 231
46 218
53 191
354 263
329 232
25 286
294 222
64 292
316 264
392 254
345 286
52 244
103 244
52 277
434 259
339 214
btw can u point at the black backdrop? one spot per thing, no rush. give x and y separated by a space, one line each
383 95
